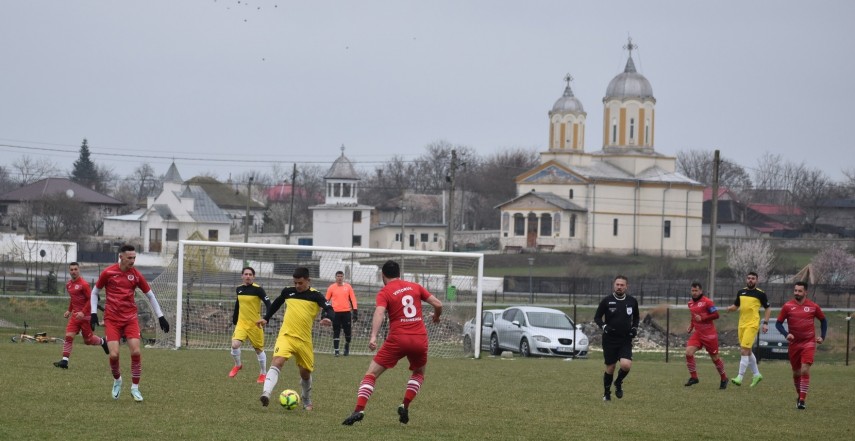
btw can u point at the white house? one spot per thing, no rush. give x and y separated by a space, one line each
341 221
175 214
625 198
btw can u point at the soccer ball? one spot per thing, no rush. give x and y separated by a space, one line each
289 399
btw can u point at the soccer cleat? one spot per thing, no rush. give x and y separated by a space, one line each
692 382
607 396
104 346
307 404
117 388
261 378
61 364
723 384
265 400
618 390
737 381
336 353
234 371
135 392
756 379
346 350
801 405
403 414
353 418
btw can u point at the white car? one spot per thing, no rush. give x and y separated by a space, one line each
535 331
488 316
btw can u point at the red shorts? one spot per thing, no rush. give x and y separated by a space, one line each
116 330
706 341
82 326
396 347
801 353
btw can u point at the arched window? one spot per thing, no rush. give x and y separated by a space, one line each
546 225
647 132
631 129
572 225
519 225
614 131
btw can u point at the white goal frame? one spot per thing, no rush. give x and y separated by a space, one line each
477 281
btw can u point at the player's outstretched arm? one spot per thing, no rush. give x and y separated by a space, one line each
437 307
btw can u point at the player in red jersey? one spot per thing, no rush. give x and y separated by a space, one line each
705 335
407 338
119 282
799 314
79 309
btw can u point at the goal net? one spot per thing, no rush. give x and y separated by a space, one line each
197 290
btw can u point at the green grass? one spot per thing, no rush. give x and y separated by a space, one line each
189 396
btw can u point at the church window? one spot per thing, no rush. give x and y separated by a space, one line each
614 131
546 225
631 129
614 227
519 225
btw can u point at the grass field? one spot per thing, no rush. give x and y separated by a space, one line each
189 396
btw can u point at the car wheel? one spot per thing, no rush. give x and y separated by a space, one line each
525 350
494 345
467 345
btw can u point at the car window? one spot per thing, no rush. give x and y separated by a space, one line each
550 320
488 319
520 317
509 314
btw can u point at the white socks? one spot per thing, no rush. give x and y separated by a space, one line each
236 356
744 361
270 381
753 365
307 390
262 361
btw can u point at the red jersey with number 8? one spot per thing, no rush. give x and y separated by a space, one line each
403 303
119 288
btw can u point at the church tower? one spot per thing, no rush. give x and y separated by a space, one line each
567 123
629 111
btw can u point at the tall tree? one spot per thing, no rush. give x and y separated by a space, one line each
698 165
751 255
811 189
6 182
492 182
84 172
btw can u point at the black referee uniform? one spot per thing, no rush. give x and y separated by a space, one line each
618 318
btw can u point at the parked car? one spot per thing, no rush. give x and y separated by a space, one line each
772 344
488 317
536 331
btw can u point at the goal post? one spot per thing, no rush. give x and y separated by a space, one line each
197 290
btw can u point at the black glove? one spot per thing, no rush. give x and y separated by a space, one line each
633 332
164 325
93 320
355 315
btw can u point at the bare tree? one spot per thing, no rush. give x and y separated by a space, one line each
137 186
492 181
6 182
698 165
833 266
810 191
29 170
751 255
55 218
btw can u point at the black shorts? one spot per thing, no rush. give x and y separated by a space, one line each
614 350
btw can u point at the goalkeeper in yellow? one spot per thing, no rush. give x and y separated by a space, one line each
302 304
247 312
748 302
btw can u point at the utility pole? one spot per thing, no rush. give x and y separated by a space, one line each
449 235
291 210
713 225
403 193
246 219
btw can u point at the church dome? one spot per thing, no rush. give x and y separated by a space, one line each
568 103
629 84
342 168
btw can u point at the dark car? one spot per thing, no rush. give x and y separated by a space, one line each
772 344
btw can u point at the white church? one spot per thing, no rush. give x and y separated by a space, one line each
623 199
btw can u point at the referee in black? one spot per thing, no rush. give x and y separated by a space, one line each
617 316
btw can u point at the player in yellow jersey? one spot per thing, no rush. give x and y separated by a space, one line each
748 302
247 312
302 304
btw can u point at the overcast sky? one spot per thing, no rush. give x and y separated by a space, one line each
251 83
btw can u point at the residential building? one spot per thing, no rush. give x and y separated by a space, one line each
179 211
